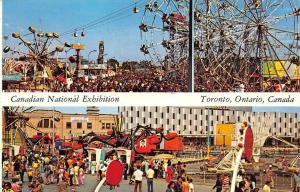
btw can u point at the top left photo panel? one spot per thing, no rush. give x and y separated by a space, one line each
94 46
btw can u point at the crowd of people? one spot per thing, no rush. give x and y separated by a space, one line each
121 81
38 169
45 169
161 169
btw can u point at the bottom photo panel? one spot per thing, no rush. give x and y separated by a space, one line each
161 149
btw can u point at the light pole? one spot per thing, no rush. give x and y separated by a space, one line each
191 65
66 69
208 131
53 132
89 60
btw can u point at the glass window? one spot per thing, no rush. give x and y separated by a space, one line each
89 125
40 123
103 125
107 125
68 125
79 125
46 123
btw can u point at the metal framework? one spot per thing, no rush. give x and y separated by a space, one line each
34 55
128 140
248 45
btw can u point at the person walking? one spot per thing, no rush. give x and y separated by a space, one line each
5 168
253 181
226 183
296 182
125 170
81 176
131 171
149 176
171 186
98 170
178 185
71 174
169 172
242 187
76 174
267 187
269 174
218 185
138 178
185 185
191 185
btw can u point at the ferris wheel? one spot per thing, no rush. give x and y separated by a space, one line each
16 123
164 32
34 54
249 45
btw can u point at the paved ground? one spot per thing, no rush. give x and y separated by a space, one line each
90 184
159 186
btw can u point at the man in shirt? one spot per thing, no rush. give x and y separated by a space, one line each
191 185
269 174
267 187
296 182
150 175
185 185
138 177
178 185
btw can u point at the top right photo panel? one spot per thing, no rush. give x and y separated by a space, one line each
247 46
152 46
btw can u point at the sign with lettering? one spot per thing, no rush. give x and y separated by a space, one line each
80 119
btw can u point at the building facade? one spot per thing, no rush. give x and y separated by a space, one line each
68 125
191 122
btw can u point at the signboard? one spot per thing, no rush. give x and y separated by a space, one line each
78 46
280 68
12 77
80 119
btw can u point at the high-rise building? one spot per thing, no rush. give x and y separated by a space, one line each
197 121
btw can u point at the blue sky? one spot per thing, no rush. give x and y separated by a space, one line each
122 38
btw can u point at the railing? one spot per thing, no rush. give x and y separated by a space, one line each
282 181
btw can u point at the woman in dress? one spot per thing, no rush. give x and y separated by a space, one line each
81 175
169 172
